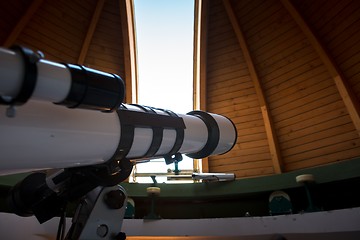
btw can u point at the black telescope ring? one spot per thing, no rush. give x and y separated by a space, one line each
213 135
78 86
180 134
94 90
158 133
29 59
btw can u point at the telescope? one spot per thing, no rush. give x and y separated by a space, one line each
72 118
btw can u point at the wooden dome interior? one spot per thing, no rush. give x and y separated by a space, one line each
286 72
94 33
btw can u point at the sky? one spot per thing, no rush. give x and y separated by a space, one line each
165 53
164 35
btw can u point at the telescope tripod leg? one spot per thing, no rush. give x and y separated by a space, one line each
100 215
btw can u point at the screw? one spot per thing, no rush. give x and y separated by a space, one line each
114 199
102 230
11 111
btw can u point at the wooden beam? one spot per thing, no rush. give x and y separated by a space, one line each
22 23
200 47
349 98
129 44
269 128
90 32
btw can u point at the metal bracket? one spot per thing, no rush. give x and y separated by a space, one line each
100 215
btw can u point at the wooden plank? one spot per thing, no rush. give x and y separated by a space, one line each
273 145
319 116
352 60
38 41
200 62
22 23
242 173
276 81
313 132
303 118
240 160
239 163
77 8
348 144
200 86
296 83
323 142
256 13
253 137
346 38
246 152
299 77
344 18
237 157
305 54
294 65
265 26
324 159
221 39
129 45
294 68
234 98
56 29
58 16
302 94
319 136
90 31
105 53
328 12
243 166
235 87
353 71
11 13
239 119
331 122
112 41
225 58
45 38
275 38
350 100
234 67
245 81
227 76
216 49
290 46
233 101
278 36
253 172
303 105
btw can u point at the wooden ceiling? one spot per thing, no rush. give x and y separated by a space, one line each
95 33
287 72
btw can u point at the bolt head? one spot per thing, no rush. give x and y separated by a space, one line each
102 230
114 199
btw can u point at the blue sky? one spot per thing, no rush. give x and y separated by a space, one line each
165 53
164 31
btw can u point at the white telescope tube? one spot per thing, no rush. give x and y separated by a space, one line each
53 81
44 135
24 76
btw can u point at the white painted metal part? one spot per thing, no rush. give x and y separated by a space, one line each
43 135
53 79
